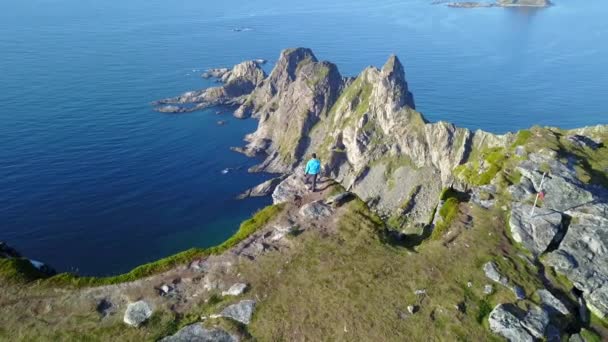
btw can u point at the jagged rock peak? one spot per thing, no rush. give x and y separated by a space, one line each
393 67
291 58
394 72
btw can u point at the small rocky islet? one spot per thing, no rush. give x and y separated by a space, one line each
498 3
419 230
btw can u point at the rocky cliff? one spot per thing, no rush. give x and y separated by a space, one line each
480 236
365 129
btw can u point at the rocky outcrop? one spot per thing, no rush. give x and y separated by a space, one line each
292 188
582 255
365 129
137 313
264 189
238 82
196 332
535 231
551 304
514 324
315 210
7 251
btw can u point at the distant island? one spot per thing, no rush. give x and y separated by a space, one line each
498 3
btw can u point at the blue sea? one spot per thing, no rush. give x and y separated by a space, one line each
95 182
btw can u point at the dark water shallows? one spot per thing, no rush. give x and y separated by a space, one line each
92 179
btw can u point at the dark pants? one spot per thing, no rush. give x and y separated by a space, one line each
314 181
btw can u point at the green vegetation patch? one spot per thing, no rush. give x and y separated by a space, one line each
327 286
522 138
259 220
482 169
448 211
18 271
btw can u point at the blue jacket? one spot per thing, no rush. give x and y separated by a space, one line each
313 167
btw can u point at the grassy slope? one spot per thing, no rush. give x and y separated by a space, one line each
356 286
45 309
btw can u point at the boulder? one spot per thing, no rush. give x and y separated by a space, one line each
235 290
483 196
339 199
537 231
551 304
289 189
137 313
505 320
488 289
514 324
315 210
491 271
536 321
197 333
240 312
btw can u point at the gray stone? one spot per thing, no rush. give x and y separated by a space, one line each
235 290
505 320
520 151
290 189
315 210
339 199
563 189
551 304
514 324
196 333
264 189
576 338
488 289
582 255
582 140
534 231
491 271
523 190
483 196
240 312
137 313
536 321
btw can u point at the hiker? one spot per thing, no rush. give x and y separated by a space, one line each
313 167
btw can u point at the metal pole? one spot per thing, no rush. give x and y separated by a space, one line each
540 189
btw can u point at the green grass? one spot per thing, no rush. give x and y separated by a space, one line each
246 229
352 285
590 336
19 271
493 160
448 212
521 138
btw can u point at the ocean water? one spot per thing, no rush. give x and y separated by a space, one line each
93 181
